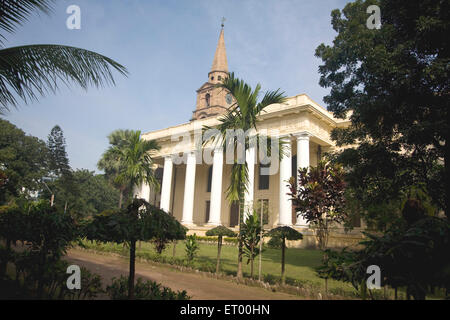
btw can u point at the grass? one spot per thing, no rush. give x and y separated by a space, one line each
300 263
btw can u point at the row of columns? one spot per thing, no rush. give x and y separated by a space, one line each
285 204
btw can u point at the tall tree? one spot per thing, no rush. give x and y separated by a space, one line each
32 70
128 161
23 161
58 160
111 162
242 115
393 83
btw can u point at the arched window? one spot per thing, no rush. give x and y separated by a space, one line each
208 98
220 78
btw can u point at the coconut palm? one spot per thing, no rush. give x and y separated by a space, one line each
112 163
29 71
242 115
128 161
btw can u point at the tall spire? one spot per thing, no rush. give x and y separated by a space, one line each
220 58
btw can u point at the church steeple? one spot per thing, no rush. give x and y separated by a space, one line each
212 101
220 58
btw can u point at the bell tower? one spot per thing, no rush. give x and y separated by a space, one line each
212 101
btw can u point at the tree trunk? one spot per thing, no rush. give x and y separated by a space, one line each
219 249
283 251
447 177
120 198
241 222
174 248
4 264
252 259
132 270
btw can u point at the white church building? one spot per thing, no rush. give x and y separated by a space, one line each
194 190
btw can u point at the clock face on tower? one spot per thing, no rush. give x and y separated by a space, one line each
229 98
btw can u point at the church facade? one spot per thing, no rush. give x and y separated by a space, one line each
194 190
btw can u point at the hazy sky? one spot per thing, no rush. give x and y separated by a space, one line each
168 48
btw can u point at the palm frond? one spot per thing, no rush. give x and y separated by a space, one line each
14 12
38 68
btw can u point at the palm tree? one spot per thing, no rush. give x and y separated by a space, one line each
111 161
32 70
128 161
242 115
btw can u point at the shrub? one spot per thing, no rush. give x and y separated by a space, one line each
192 247
144 290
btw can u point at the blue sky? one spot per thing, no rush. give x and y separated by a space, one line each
168 48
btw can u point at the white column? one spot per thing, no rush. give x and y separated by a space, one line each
145 192
189 187
285 175
250 155
216 189
166 184
302 162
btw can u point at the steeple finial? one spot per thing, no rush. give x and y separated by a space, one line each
223 22
220 58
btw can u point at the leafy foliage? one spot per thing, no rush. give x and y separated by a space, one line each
30 69
23 162
413 255
140 221
280 235
251 232
148 290
393 84
319 196
192 247
128 161
219 232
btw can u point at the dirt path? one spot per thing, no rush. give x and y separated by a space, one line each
197 286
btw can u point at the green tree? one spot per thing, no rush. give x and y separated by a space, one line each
23 161
58 160
393 84
412 254
31 70
11 230
140 221
60 169
128 161
279 236
89 194
242 115
219 232
251 231
319 196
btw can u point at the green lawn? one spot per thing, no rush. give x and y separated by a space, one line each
300 263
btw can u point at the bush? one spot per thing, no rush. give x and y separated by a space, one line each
192 247
143 290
